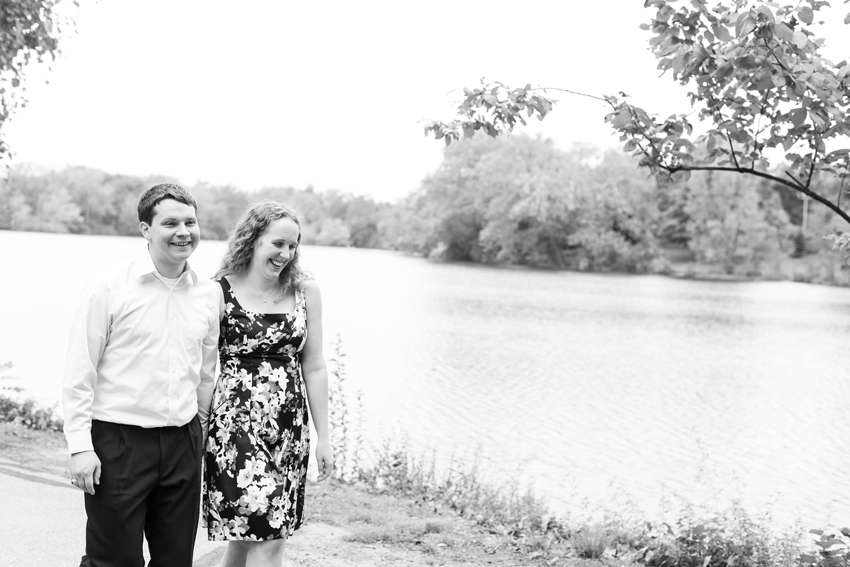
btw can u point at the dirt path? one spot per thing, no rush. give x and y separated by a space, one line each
345 525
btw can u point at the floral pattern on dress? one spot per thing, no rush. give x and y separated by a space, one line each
258 444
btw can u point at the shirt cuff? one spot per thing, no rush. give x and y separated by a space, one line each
79 441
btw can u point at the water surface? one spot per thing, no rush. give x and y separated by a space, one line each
583 385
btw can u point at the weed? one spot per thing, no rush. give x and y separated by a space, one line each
590 542
25 412
346 437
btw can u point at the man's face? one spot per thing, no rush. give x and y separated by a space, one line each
172 236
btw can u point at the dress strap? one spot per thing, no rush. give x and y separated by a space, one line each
225 286
300 298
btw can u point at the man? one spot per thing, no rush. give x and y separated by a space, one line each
138 385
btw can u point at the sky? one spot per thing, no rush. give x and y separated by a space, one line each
329 94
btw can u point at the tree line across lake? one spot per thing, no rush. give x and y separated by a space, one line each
516 200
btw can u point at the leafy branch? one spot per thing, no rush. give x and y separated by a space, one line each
29 32
742 60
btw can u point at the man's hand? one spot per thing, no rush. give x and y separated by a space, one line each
324 460
85 470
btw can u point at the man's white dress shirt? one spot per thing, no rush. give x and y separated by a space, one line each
140 352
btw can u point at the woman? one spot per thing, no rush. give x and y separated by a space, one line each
258 445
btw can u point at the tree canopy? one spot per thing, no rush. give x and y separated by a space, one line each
757 78
29 31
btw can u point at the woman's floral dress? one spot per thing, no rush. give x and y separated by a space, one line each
258 445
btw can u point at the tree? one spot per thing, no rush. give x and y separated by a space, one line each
332 232
29 31
218 209
756 75
87 190
521 200
727 225
37 204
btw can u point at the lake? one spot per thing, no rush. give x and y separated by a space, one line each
585 386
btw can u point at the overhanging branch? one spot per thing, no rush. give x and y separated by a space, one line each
796 185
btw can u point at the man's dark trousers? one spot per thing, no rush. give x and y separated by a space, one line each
149 484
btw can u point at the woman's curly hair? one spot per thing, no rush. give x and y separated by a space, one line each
240 244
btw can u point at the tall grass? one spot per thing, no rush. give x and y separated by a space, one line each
345 415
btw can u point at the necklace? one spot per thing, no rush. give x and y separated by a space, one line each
263 297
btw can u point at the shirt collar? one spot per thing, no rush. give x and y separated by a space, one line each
143 266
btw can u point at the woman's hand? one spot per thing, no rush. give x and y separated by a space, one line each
324 460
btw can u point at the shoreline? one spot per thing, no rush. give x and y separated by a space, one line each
804 269
797 270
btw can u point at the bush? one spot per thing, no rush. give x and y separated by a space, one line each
25 412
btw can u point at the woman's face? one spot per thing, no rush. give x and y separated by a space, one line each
274 248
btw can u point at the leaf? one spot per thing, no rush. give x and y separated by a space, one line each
744 25
847 19
621 120
797 116
746 62
817 118
765 82
806 14
800 39
783 32
721 32
723 72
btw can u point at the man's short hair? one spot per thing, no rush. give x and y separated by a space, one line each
158 193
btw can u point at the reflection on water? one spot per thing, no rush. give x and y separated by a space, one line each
576 383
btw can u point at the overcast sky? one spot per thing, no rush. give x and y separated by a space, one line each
263 93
